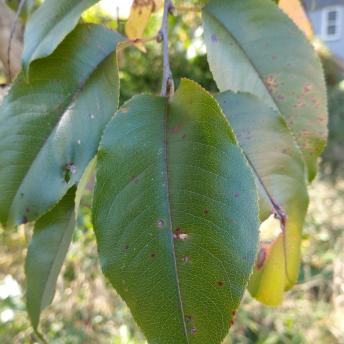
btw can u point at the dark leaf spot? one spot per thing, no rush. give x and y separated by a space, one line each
186 259
206 211
220 284
261 258
135 179
179 234
69 171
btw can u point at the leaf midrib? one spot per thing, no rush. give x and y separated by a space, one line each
168 201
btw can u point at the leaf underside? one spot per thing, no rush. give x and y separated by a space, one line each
279 170
252 46
50 125
49 25
174 204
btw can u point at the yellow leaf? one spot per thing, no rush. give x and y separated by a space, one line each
157 5
140 13
268 287
138 19
295 10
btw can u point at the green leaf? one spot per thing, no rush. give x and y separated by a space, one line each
49 25
46 253
254 47
50 126
174 204
48 248
279 170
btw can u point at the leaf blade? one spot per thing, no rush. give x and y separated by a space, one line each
160 231
43 136
259 41
49 25
47 250
279 169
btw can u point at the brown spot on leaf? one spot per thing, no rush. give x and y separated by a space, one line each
271 83
176 129
186 259
179 234
261 258
135 179
220 284
206 211
188 318
307 88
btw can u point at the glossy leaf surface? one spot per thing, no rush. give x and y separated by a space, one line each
254 47
50 126
279 169
174 205
49 25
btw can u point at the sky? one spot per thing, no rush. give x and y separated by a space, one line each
111 7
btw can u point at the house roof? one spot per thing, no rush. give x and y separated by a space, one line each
312 5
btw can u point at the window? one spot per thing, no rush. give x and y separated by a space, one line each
331 23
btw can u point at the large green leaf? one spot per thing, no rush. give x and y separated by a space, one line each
50 126
46 253
174 205
254 47
49 25
49 245
279 169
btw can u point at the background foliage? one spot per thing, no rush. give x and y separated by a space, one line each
86 309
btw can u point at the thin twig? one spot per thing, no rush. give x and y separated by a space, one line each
13 29
167 80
